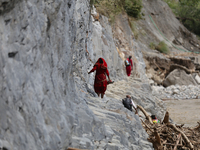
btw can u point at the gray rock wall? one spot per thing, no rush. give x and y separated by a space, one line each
46 93
38 98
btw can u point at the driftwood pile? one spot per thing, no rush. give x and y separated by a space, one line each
167 136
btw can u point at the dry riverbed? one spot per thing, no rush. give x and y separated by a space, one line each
184 111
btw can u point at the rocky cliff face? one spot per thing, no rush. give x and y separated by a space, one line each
47 99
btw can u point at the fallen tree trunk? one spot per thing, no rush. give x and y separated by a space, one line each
157 136
166 118
176 66
145 113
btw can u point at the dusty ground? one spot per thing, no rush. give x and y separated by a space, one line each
121 88
184 111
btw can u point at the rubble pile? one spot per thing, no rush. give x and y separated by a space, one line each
177 92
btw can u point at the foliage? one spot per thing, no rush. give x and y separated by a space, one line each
92 2
173 4
152 45
162 47
188 12
133 7
198 37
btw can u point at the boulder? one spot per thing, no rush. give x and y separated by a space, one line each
197 78
179 77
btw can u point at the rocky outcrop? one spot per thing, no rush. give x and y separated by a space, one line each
47 98
179 77
38 98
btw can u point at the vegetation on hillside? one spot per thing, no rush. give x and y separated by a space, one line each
162 47
188 12
111 8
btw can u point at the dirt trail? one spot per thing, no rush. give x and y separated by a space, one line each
181 111
121 88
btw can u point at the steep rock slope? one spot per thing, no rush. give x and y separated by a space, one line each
47 98
39 40
160 24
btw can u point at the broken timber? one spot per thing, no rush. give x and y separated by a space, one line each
145 113
167 136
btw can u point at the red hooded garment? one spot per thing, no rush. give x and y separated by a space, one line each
128 68
100 82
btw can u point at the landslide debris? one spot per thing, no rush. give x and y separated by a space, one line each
167 136
160 68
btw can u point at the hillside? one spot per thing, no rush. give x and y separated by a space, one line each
47 97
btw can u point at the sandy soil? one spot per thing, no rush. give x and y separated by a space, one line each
184 111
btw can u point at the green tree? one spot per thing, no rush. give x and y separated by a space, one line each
133 7
189 15
188 12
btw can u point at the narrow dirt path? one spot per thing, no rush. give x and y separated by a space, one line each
121 88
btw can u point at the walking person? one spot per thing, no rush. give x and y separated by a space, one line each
129 65
100 82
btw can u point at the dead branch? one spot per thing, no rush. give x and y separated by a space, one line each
172 144
157 65
183 134
147 126
179 136
180 126
168 137
157 137
176 66
195 128
166 118
145 113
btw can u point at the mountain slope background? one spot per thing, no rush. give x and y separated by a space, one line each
47 97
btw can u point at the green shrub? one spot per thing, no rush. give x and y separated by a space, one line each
133 7
198 37
162 47
188 12
173 4
152 45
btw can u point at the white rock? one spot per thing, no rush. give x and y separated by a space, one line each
197 78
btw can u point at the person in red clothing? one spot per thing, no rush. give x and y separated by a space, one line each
100 82
129 66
